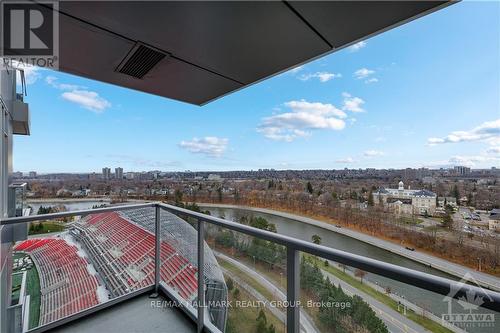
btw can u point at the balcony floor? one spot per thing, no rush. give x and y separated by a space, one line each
132 316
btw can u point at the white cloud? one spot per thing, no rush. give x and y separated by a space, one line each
137 161
31 73
53 81
345 160
358 46
209 145
322 76
351 103
89 100
296 69
472 160
486 132
363 73
372 153
493 150
371 80
303 117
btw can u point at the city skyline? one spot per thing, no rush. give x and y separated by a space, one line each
401 99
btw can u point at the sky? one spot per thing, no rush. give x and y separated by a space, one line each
426 94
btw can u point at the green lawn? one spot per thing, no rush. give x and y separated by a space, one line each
45 227
410 314
32 289
243 319
246 278
409 220
17 279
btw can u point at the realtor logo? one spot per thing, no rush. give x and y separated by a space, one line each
466 312
30 33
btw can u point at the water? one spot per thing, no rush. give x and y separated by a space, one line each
430 301
70 205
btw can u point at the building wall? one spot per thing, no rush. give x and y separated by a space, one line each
424 204
494 225
419 204
7 93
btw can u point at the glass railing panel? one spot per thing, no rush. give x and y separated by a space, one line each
179 259
72 264
349 299
250 274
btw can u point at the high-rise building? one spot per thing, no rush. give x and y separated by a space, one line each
119 173
32 174
461 170
106 173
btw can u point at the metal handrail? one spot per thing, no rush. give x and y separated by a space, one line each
84 212
440 285
426 281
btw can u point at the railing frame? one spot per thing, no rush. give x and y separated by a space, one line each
293 246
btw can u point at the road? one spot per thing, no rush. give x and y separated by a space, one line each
395 321
305 320
482 279
274 310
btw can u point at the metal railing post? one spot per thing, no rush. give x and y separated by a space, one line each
292 290
157 247
201 281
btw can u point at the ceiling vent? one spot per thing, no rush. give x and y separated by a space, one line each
140 60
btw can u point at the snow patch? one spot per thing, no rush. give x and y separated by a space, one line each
91 270
71 241
102 294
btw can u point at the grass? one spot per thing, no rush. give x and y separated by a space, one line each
409 220
246 278
32 289
243 319
273 274
17 279
46 227
383 298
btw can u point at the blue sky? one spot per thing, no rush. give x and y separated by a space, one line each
424 94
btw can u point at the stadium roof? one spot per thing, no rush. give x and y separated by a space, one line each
198 51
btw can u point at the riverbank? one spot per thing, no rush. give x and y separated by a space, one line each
63 200
461 272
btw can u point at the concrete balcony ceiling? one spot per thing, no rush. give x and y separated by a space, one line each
199 51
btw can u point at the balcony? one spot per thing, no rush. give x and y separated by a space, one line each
156 267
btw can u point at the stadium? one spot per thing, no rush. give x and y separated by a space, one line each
107 255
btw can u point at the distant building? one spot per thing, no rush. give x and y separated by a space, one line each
494 220
32 174
406 201
81 193
214 176
119 173
443 201
17 174
461 170
106 173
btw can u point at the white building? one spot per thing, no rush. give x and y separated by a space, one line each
494 220
406 201
214 177
444 201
